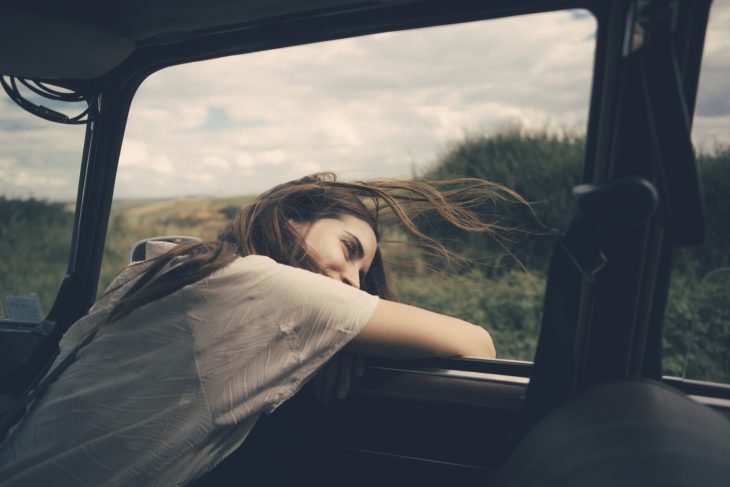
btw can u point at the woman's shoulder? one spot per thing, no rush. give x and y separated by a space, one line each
251 263
246 268
259 268
264 275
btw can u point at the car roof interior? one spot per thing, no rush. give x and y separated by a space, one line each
81 40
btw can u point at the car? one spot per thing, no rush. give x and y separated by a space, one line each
593 407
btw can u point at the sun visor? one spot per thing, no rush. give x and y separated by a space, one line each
56 47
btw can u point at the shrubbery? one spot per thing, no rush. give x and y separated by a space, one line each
697 326
35 238
544 168
509 306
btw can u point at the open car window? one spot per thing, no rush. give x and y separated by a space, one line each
39 176
697 325
506 100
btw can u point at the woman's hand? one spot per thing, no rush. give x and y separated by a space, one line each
335 378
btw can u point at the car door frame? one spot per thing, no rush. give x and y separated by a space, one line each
455 393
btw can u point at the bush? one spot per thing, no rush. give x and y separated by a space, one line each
508 307
697 327
542 168
35 239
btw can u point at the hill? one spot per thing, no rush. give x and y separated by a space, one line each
133 221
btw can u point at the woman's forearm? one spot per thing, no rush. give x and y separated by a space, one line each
398 330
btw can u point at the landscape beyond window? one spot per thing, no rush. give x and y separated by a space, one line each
506 100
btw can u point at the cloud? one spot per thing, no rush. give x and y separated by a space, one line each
199 177
711 125
7 162
38 158
713 97
135 155
365 107
216 162
373 106
219 118
36 179
711 133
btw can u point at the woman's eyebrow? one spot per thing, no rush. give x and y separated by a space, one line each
358 252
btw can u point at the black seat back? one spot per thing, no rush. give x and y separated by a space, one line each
629 433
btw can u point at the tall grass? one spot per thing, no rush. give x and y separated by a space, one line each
35 237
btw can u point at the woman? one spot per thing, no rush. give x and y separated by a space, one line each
172 367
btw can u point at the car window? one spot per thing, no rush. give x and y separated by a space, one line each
505 100
39 175
697 325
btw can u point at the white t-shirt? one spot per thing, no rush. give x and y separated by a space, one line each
164 394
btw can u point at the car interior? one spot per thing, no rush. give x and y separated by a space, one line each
594 406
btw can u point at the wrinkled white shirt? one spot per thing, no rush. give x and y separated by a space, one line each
167 392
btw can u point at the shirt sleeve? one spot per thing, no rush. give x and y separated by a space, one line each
261 329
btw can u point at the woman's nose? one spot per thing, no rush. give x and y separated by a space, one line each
351 277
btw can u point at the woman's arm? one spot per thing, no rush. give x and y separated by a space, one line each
398 330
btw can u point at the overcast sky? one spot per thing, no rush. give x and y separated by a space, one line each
381 105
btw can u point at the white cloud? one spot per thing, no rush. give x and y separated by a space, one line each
162 165
365 107
216 162
35 179
134 153
199 177
244 160
274 157
710 133
717 42
38 158
301 169
714 84
6 163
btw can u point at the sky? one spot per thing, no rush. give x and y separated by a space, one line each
386 105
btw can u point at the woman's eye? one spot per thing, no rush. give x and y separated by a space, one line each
349 247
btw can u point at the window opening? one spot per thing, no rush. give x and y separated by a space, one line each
697 321
506 100
39 170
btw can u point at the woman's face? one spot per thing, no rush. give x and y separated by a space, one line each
344 247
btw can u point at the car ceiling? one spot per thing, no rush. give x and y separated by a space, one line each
85 39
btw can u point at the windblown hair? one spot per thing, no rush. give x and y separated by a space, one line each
264 227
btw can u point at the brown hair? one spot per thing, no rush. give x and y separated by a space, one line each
263 228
